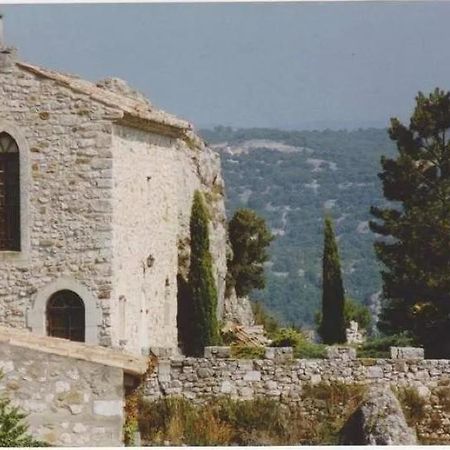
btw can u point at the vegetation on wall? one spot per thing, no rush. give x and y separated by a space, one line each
177 421
203 329
249 238
415 226
332 325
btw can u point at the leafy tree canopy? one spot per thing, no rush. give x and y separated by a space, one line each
249 238
415 248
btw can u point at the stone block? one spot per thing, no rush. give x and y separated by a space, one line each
375 372
108 408
252 375
341 353
217 352
279 354
407 353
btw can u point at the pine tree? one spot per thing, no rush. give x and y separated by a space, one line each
415 248
203 292
332 326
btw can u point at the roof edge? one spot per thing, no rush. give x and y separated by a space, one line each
131 364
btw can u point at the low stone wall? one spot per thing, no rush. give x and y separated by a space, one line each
282 378
198 378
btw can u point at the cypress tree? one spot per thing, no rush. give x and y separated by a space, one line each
332 327
203 292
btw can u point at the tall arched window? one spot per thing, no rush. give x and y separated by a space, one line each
66 316
9 193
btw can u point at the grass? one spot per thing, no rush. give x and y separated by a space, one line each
261 421
412 403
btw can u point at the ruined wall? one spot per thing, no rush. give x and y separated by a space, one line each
64 140
154 181
69 402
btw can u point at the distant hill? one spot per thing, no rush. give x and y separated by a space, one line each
293 178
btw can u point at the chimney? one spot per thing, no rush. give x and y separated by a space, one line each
7 54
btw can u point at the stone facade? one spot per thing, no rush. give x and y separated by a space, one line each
106 186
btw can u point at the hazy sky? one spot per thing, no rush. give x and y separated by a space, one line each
297 65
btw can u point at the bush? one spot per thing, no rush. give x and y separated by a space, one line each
287 337
290 337
13 430
379 347
242 351
310 350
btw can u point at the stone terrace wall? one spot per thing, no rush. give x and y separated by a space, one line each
70 402
288 380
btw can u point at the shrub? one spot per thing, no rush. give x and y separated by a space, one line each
310 350
242 351
379 347
287 337
13 429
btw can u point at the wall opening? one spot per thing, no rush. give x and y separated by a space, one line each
65 316
9 193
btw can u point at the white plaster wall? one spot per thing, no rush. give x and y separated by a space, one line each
154 181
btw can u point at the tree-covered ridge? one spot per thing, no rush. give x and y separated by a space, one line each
291 178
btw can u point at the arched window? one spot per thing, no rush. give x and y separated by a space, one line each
9 194
66 316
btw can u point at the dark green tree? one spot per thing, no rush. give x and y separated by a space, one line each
203 293
13 429
249 238
415 227
332 326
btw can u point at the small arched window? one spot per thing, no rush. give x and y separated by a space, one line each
9 193
66 316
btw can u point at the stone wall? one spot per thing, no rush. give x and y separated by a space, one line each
105 211
284 379
69 402
154 181
65 157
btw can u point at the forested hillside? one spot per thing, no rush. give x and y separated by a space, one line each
293 179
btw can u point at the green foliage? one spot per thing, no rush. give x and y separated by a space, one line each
354 311
204 326
310 350
241 351
303 348
277 186
378 347
249 238
262 317
13 429
332 326
415 249
287 337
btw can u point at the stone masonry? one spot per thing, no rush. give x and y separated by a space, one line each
106 184
72 393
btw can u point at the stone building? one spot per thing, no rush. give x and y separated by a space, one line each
96 186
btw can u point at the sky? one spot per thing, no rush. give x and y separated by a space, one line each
279 65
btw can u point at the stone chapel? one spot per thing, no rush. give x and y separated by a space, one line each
96 186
